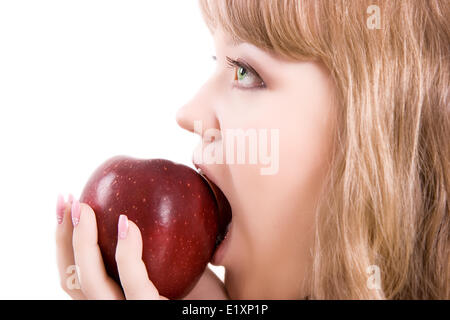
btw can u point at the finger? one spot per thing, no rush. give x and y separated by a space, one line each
64 249
132 271
94 281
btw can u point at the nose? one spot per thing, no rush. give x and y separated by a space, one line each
199 108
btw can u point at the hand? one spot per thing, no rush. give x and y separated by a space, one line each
78 251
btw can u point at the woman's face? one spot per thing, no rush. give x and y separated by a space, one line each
287 107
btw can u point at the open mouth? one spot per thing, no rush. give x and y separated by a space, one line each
225 212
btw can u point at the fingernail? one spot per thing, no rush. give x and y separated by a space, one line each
75 212
70 199
60 209
123 226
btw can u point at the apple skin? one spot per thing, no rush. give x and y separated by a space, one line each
175 209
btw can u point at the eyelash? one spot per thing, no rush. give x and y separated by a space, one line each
233 64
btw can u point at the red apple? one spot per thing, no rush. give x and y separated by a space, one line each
181 215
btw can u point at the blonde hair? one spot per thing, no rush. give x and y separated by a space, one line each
387 201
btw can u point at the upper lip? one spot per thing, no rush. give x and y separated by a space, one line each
203 170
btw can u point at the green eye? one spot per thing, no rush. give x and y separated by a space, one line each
241 72
244 75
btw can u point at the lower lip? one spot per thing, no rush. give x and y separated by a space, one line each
222 248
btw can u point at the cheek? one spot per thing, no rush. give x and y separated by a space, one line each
305 153
280 215
274 211
306 121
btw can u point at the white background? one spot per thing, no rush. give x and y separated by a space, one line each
81 81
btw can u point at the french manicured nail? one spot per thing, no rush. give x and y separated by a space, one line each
75 212
123 227
70 199
60 209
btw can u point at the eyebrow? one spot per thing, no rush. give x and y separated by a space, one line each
232 40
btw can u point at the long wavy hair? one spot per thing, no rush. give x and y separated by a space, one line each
386 201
